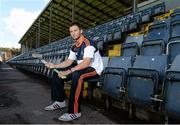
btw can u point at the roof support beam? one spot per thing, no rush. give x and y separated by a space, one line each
134 6
50 22
73 10
36 37
31 43
26 46
39 30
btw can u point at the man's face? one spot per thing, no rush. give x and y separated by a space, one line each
75 32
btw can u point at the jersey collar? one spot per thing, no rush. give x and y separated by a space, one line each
80 41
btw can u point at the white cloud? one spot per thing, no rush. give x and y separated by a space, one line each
19 21
14 26
2 34
9 44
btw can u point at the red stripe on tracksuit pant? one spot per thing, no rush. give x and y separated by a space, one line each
77 81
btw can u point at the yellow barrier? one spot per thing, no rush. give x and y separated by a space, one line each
135 34
114 50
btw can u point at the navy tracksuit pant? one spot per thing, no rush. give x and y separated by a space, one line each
77 77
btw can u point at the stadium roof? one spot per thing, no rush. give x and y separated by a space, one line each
53 22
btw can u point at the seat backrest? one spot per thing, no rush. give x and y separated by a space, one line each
129 49
175 64
159 9
175 29
124 62
173 49
138 39
152 47
132 24
158 30
105 61
175 15
158 63
146 15
171 89
175 25
99 42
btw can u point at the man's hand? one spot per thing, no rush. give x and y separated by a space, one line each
50 65
64 73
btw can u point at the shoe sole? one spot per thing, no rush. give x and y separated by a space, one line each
68 120
54 109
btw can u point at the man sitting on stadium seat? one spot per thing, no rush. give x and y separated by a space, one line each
90 64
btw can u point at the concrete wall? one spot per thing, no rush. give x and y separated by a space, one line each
171 4
148 4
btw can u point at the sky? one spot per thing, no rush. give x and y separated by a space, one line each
16 16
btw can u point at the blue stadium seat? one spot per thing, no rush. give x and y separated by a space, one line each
113 31
117 34
128 23
137 17
145 80
159 9
138 39
173 49
133 24
101 32
129 49
99 42
145 15
114 82
121 24
175 25
171 90
152 48
158 30
109 36
90 33
175 14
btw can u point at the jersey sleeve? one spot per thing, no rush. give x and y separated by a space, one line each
72 55
89 52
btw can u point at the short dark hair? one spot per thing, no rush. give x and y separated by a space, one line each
75 24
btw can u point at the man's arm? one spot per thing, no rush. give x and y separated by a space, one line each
84 64
63 64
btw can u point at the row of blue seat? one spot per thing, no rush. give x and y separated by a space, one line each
160 34
145 81
103 33
150 78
